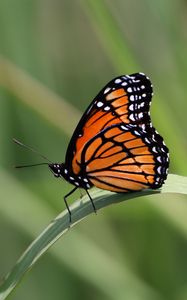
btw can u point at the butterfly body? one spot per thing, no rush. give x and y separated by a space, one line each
114 146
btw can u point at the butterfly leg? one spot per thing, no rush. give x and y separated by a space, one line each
66 203
95 210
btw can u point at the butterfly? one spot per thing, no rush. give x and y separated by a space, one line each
114 146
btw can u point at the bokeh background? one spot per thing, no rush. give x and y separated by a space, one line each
55 56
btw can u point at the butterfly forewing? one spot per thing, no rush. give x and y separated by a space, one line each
125 99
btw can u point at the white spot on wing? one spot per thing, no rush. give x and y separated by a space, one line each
118 80
143 127
131 117
140 115
137 133
131 107
99 104
154 150
129 90
123 127
147 140
107 90
142 104
159 158
159 170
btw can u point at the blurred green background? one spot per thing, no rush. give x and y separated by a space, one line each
55 56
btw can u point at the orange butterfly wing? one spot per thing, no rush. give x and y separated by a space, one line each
114 146
125 99
125 158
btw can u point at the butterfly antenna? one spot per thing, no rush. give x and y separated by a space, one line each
34 151
33 165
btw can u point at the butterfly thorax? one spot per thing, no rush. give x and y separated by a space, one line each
60 170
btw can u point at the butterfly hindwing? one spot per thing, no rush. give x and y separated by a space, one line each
126 158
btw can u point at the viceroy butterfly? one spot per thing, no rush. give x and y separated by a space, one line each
114 146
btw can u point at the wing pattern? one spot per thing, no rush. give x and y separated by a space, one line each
125 158
125 99
115 146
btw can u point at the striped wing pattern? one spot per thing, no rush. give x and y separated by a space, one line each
126 158
115 146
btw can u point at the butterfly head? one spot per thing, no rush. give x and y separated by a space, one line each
57 169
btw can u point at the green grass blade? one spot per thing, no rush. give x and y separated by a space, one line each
80 209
